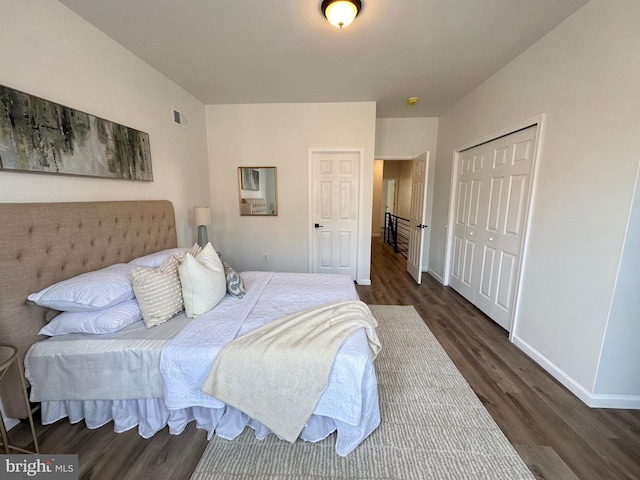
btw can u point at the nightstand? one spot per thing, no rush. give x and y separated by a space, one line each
8 357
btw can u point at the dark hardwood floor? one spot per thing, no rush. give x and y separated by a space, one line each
556 434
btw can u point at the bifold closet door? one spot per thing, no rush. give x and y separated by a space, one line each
492 199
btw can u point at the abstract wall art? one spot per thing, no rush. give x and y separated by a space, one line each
40 136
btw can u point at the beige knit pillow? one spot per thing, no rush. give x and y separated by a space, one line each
158 292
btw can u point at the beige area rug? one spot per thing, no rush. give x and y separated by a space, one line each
433 425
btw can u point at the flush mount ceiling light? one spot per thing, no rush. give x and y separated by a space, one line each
341 13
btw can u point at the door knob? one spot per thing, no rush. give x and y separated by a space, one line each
317 225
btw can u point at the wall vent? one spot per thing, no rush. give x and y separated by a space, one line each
179 118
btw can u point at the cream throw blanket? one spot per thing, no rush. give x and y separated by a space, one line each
277 373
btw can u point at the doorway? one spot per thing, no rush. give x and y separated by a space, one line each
407 205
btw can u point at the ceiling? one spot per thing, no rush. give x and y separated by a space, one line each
285 51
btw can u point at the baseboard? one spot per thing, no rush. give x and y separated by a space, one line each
589 398
624 402
438 277
364 282
555 371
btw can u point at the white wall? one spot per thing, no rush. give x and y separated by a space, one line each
280 135
619 369
50 52
405 139
584 77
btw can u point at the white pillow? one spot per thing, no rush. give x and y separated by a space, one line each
158 292
203 281
109 320
154 260
88 291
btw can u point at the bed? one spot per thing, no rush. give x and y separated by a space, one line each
151 378
253 206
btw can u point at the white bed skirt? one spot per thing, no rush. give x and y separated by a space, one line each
151 416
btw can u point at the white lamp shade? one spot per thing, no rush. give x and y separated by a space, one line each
201 216
341 13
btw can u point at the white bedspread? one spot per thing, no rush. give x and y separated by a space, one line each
279 294
350 402
277 373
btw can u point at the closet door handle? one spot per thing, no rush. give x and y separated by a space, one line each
317 225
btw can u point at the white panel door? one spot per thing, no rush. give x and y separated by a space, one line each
493 190
466 222
334 198
416 216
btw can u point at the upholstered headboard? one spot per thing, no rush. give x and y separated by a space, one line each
44 243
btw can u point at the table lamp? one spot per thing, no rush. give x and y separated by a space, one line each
202 218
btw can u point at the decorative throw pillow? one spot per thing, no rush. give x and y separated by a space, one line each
88 291
194 250
203 281
235 284
158 292
108 320
154 260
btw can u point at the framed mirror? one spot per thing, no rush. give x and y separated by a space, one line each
258 189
